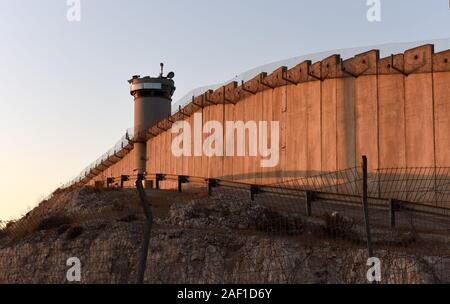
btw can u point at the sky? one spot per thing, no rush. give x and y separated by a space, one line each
64 96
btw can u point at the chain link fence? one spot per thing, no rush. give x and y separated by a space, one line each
306 230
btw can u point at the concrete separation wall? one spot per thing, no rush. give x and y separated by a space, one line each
395 110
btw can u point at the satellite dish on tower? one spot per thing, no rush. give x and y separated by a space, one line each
171 75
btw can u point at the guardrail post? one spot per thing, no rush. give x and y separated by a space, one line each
123 178
393 207
99 184
182 180
147 229
212 183
180 183
109 181
366 205
159 178
310 197
150 184
254 189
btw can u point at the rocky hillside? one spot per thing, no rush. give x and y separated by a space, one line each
195 239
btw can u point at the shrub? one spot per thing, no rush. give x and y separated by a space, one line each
53 222
129 218
63 228
339 227
74 232
273 222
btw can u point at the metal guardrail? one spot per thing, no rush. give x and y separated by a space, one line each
389 206
336 188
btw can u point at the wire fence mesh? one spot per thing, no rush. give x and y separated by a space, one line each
426 185
308 230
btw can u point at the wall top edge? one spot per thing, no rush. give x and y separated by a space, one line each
421 59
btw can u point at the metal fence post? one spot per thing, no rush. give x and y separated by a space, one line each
182 179
180 183
147 229
109 181
309 199
366 206
212 183
393 205
123 178
159 178
149 184
254 189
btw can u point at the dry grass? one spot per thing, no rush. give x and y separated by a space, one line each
124 206
340 227
3 233
74 232
19 230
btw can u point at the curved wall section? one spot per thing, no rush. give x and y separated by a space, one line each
395 110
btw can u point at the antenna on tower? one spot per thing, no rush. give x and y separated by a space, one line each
162 69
